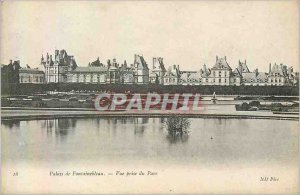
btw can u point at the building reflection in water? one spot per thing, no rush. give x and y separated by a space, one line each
178 129
59 127
139 125
11 123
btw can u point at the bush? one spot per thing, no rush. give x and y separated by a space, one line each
254 103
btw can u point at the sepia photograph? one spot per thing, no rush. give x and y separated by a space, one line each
149 97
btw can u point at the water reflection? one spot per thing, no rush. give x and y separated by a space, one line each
154 139
58 127
139 125
11 123
61 127
178 129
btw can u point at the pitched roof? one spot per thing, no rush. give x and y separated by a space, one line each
205 71
153 74
262 76
190 76
243 67
221 63
140 61
248 76
158 64
277 69
170 74
90 69
32 71
255 77
237 72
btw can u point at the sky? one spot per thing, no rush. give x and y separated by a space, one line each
188 33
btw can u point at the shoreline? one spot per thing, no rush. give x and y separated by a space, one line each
43 114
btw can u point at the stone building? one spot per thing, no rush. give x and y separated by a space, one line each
126 74
205 72
95 73
88 75
141 70
172 76
28 75
293 77
158 71
56 69
277 75
255 78
190 77
220 73
113 72
10 72
63 68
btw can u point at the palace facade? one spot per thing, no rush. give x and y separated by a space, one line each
29 75
58 68
63 68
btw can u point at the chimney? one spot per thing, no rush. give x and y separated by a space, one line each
10 61
269 68
225 58
245 61
154 62
240 64
56 53
217 58
256 71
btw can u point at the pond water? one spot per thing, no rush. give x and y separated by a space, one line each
216 155
137 139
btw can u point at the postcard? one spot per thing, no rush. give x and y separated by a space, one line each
149 97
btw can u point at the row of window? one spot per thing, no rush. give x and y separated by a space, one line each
275 80
170 80
29 79
214 73
258 80
99 78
